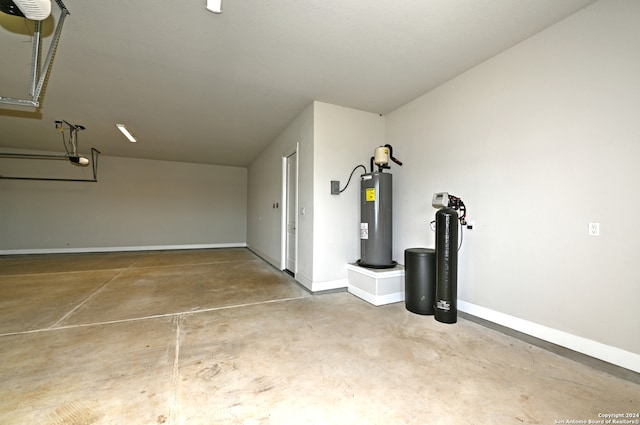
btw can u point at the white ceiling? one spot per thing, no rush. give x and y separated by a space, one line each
194 86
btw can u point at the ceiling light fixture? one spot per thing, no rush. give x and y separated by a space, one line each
214 6
126 132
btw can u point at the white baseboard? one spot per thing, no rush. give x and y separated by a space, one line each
302 280
119 248
582 345
329 285
275 263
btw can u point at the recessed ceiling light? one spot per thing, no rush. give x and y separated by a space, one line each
214 6
126 132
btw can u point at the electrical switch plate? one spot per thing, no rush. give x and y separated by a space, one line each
594 229
335 187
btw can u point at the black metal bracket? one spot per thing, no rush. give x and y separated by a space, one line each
95 153
39 76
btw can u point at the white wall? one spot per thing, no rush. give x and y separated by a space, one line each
539 141
344 138
265 189
135 203
331 141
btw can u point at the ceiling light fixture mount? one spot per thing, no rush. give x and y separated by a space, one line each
126 132
214 6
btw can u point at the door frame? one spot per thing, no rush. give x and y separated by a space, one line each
285 207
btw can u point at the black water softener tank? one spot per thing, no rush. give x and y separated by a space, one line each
446 308
419 280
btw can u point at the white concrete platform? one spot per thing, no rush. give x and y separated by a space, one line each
376 286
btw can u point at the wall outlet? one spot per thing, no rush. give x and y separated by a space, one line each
335 187
594 229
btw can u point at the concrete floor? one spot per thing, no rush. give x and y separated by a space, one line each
220 337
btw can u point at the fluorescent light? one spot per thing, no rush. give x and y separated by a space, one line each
126 132
214 6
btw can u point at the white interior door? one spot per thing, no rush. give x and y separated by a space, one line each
291 212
